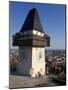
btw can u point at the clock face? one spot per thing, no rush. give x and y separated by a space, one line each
23 55
40 55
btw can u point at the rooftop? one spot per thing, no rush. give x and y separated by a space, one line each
32 21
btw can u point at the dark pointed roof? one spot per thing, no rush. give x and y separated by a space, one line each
32 21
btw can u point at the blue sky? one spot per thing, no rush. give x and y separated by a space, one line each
52 18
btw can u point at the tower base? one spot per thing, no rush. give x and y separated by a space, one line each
31 61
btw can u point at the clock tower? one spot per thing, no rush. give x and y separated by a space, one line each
32 41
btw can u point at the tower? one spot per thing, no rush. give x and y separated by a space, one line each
31 41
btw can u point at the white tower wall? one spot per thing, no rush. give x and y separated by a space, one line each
38 60
31 61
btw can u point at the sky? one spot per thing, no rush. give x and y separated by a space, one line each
52 17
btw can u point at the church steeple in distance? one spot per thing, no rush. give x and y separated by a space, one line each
32 21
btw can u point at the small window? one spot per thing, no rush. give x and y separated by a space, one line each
25 33
36 32
29 32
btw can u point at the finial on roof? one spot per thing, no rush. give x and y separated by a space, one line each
33 9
